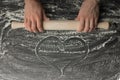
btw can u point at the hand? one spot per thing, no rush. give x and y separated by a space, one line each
88 16
34 16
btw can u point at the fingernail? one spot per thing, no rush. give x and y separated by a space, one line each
78 31
41 30
85 31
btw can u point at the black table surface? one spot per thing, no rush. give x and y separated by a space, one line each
59 55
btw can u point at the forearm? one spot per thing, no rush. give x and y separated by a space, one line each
97 1
27 1
91 2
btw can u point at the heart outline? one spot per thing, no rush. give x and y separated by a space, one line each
45 61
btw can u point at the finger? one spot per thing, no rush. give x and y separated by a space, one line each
34 25
96 22
77 18
91 25
28 25
87 25
39 25
25 23
45 18
82 25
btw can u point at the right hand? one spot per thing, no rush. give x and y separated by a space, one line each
34 16
88 16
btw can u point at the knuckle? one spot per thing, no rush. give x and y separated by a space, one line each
31 16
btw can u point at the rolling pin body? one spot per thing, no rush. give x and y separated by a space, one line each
60 25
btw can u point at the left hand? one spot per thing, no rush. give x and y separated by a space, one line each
88 16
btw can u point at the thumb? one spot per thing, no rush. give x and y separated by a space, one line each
45 18
77 18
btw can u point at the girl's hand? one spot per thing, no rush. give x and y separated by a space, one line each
34 16
88 16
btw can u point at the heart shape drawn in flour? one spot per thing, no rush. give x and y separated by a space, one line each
52 50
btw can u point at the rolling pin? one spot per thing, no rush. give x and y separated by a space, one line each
60 25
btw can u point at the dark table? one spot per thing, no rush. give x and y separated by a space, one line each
59 55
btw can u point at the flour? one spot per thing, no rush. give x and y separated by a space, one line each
71 54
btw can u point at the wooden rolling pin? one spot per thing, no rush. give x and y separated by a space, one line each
60 25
